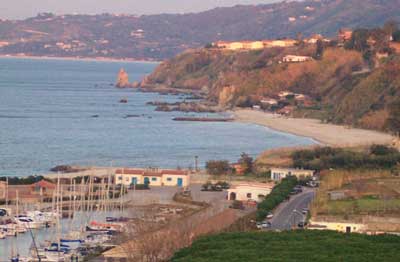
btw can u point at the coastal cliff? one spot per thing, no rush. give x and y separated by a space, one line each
337 86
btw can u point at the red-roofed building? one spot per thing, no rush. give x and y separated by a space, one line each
44 187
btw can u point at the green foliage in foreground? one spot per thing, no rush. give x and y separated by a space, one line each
321 158
288 246
277 196
23 180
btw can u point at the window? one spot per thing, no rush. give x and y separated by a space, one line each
154 179
248 195
169 179
120 178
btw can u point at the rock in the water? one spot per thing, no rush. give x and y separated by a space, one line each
123 79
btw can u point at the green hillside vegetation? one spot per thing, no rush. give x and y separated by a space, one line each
278 194
324 158
321 246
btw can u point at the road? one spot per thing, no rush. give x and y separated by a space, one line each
285 217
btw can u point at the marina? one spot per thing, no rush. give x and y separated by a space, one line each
87 224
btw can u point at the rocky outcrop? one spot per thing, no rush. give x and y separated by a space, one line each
185 107
123 80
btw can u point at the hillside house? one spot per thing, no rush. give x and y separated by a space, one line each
314 39
278 174
296 59
152 177
269 102
344 35
280 43
253 45
285 94
250 191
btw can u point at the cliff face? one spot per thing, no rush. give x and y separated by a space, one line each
335 88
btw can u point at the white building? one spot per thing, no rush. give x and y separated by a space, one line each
249 191
278 174
345 227
296 58
152 177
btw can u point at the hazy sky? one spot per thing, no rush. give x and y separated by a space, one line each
13 9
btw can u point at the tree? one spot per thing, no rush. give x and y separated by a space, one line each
393 122
390 27
359 40
319 49
246 162
396 36
218 167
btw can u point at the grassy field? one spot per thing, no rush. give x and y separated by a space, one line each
364 206
290 246
367 192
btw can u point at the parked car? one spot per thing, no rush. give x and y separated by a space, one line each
259 225
304 211
302 224
269 215
266 224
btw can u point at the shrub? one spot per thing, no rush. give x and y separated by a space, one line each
218 167
277 196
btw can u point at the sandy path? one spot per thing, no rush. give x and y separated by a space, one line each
329 134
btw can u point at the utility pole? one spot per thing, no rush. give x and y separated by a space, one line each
196 163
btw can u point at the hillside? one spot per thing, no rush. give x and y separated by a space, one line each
338 87
156 37
307 245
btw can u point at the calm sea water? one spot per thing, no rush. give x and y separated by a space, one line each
46 119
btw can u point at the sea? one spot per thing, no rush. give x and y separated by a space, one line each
68 112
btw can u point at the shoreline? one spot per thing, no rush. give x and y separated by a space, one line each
69 58
325 134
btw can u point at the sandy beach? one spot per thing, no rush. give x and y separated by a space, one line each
327 134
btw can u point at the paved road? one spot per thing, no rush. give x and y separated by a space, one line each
285 217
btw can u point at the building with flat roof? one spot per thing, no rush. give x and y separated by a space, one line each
152 177
250 191
278 174
296 58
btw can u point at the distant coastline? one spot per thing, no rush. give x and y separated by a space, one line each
93 59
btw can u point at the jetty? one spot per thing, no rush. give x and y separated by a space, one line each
203 119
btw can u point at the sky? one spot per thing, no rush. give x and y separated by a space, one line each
19 9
